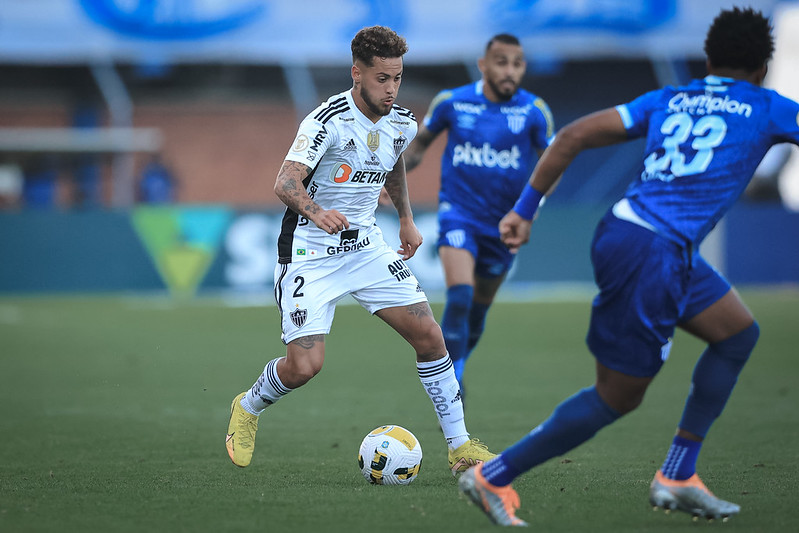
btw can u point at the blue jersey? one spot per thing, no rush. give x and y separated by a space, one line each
491 151
704 142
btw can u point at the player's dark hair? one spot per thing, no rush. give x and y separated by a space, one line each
377 41
739 39
504 38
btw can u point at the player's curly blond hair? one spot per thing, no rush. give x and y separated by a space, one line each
377 41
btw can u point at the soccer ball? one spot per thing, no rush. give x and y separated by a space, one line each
390 455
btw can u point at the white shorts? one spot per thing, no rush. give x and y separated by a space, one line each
307 291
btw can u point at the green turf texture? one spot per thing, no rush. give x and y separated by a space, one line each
113 413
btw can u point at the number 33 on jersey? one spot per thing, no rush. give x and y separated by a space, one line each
707 136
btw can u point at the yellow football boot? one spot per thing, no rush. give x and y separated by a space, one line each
240 440
467 455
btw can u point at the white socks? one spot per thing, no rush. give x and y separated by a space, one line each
266 391
438 379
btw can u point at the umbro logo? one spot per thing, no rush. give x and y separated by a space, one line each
350 146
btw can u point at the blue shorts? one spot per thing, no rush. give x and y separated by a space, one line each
647 286
492 258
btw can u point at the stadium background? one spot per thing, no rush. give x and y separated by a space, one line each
92 90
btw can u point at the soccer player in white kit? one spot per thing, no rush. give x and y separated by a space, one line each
345 152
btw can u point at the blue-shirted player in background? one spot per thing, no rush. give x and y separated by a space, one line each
704 141
496 131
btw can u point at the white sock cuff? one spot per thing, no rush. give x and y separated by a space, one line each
266 391
270 371
434 370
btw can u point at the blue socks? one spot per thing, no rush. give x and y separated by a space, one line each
462 324
455 324
680 462
573 422
477 323
715 375
498 472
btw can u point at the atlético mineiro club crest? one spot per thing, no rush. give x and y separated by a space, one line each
298 317
399 144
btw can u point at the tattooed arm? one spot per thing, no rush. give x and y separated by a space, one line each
397 187
291 191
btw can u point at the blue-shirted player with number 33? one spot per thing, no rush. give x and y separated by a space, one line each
704 141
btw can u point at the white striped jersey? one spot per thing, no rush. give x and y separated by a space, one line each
350 157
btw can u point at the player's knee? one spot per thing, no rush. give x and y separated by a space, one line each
632 402
300 376
627 402
739 346
622 399
428 341
297 372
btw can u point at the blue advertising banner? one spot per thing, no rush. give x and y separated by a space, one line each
319 31
190 249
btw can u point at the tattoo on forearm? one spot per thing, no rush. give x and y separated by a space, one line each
397 189
290 189
308 342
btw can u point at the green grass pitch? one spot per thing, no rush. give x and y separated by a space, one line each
113 413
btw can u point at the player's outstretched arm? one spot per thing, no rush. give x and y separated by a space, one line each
289 188
601 128
397 188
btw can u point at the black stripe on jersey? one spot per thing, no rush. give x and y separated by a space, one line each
403 112
334 113
279 290
286 238
434 371
287 228
334 104
333 109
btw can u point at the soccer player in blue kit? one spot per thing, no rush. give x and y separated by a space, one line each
704 141
496 131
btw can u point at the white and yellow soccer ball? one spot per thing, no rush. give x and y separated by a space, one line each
390 455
